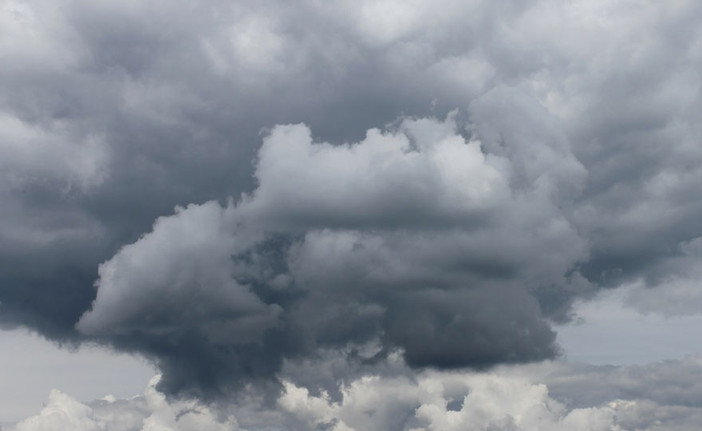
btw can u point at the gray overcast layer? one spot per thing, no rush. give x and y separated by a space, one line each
439 179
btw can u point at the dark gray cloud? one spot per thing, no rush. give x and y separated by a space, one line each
439 180
389 239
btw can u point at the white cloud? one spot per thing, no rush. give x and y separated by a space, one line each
549 396
150 412
425 169
445 402
62 413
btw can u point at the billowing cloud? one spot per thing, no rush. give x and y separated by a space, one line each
62 412
150 412
412 236
547 396
441 179
181 269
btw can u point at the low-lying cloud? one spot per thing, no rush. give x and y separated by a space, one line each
545 396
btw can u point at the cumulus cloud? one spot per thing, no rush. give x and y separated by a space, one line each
550 395
150 412
412 236
545 396
62 412
445 402
181 269
424 172
441 180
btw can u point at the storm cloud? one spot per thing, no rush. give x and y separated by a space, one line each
377 178
413 237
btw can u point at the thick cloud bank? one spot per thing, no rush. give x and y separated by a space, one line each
439 180
547 396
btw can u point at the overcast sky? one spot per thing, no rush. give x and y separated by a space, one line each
358 215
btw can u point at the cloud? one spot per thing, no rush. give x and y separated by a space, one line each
675 292
544 396
150 412
62 412
449 402
181 269
426 171
409 236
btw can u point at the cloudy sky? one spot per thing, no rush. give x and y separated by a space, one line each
350 215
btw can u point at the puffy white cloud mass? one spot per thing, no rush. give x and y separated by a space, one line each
547 396
150 412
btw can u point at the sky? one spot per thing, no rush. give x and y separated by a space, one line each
358 215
